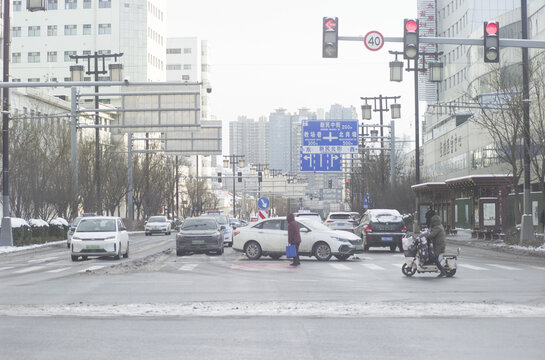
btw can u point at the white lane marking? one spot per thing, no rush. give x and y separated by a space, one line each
91 268
58 270
535 267
399 255
29 269
340 266
188 267
365 258
472 267
42 260
504 267
6 268
373 267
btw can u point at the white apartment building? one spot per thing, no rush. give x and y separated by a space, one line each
187 60
250 138
43 41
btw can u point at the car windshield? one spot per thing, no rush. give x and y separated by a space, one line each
386 217
199 224
222 219
76 221
157 219
96 225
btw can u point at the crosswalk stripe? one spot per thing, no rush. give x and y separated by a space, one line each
188 267
58 270
28 269
538 267
340 266
504 267
91 268
472 267
43 260
373 267
6 268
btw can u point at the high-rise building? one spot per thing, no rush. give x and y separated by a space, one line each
250 138
42 42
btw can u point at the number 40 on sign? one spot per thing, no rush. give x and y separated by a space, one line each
373 40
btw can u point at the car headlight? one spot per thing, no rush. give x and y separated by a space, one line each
341 239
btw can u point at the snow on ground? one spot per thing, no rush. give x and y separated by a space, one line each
283 308
7 249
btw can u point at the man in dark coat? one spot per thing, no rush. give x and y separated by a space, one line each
437 237
294 237
429 215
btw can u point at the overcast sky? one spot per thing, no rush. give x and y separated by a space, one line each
268 54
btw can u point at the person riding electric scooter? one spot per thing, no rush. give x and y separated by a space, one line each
436 240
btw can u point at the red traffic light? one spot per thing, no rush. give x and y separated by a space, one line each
411 25
491 28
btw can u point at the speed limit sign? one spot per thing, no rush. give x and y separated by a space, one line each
373 40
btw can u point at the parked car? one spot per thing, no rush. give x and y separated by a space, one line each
340 221
158 224
224 221
100 236
381 228
269 237
200 235
73 227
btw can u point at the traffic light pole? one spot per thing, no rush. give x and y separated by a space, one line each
521 43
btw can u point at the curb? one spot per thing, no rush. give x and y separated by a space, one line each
498 246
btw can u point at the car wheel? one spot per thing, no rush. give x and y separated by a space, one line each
126 254
253 250
84 258
118 255
322 251
68 245
179 252
342 257
408 270
74 257
450 273
393 248
275 257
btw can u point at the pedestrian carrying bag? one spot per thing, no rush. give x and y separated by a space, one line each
291 251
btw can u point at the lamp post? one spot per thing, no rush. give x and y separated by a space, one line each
382 107
233 159
76 74
259 168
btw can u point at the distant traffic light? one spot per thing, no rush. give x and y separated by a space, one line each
240 176
491 42
260 176
330 39
219 177
330 183
410 39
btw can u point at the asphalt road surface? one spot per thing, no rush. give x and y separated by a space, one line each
157 305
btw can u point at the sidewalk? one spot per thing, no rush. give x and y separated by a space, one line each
463 237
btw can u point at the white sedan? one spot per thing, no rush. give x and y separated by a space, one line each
269 237
100 236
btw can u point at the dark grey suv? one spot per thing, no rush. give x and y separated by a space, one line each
200 235
381 228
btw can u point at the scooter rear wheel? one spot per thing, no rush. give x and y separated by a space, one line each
408 270
450 273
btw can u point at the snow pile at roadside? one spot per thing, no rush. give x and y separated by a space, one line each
321 309
8 249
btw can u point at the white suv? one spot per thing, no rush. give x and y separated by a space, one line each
340 221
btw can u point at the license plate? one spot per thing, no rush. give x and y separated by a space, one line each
359 247
387 238
92 247
197 242
341 224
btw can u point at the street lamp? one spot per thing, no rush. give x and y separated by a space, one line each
396 111
435 71
77 74
366 112
396 70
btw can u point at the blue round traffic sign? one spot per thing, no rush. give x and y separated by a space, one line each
263 203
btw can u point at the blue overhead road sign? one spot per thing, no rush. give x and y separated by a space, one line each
321 162
330 136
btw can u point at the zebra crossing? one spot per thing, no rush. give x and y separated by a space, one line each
55 265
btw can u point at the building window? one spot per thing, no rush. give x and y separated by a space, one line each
33 57
70 30
70 4
33 79
104 3
187 66
86 4
16 31
51 56
67 56
86 52
16 58
52 4
86 29
17 5
174 67
187 50
52 30
185 77
174 51
104 29
15 80
33 31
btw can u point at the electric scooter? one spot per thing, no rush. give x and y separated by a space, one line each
416 250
